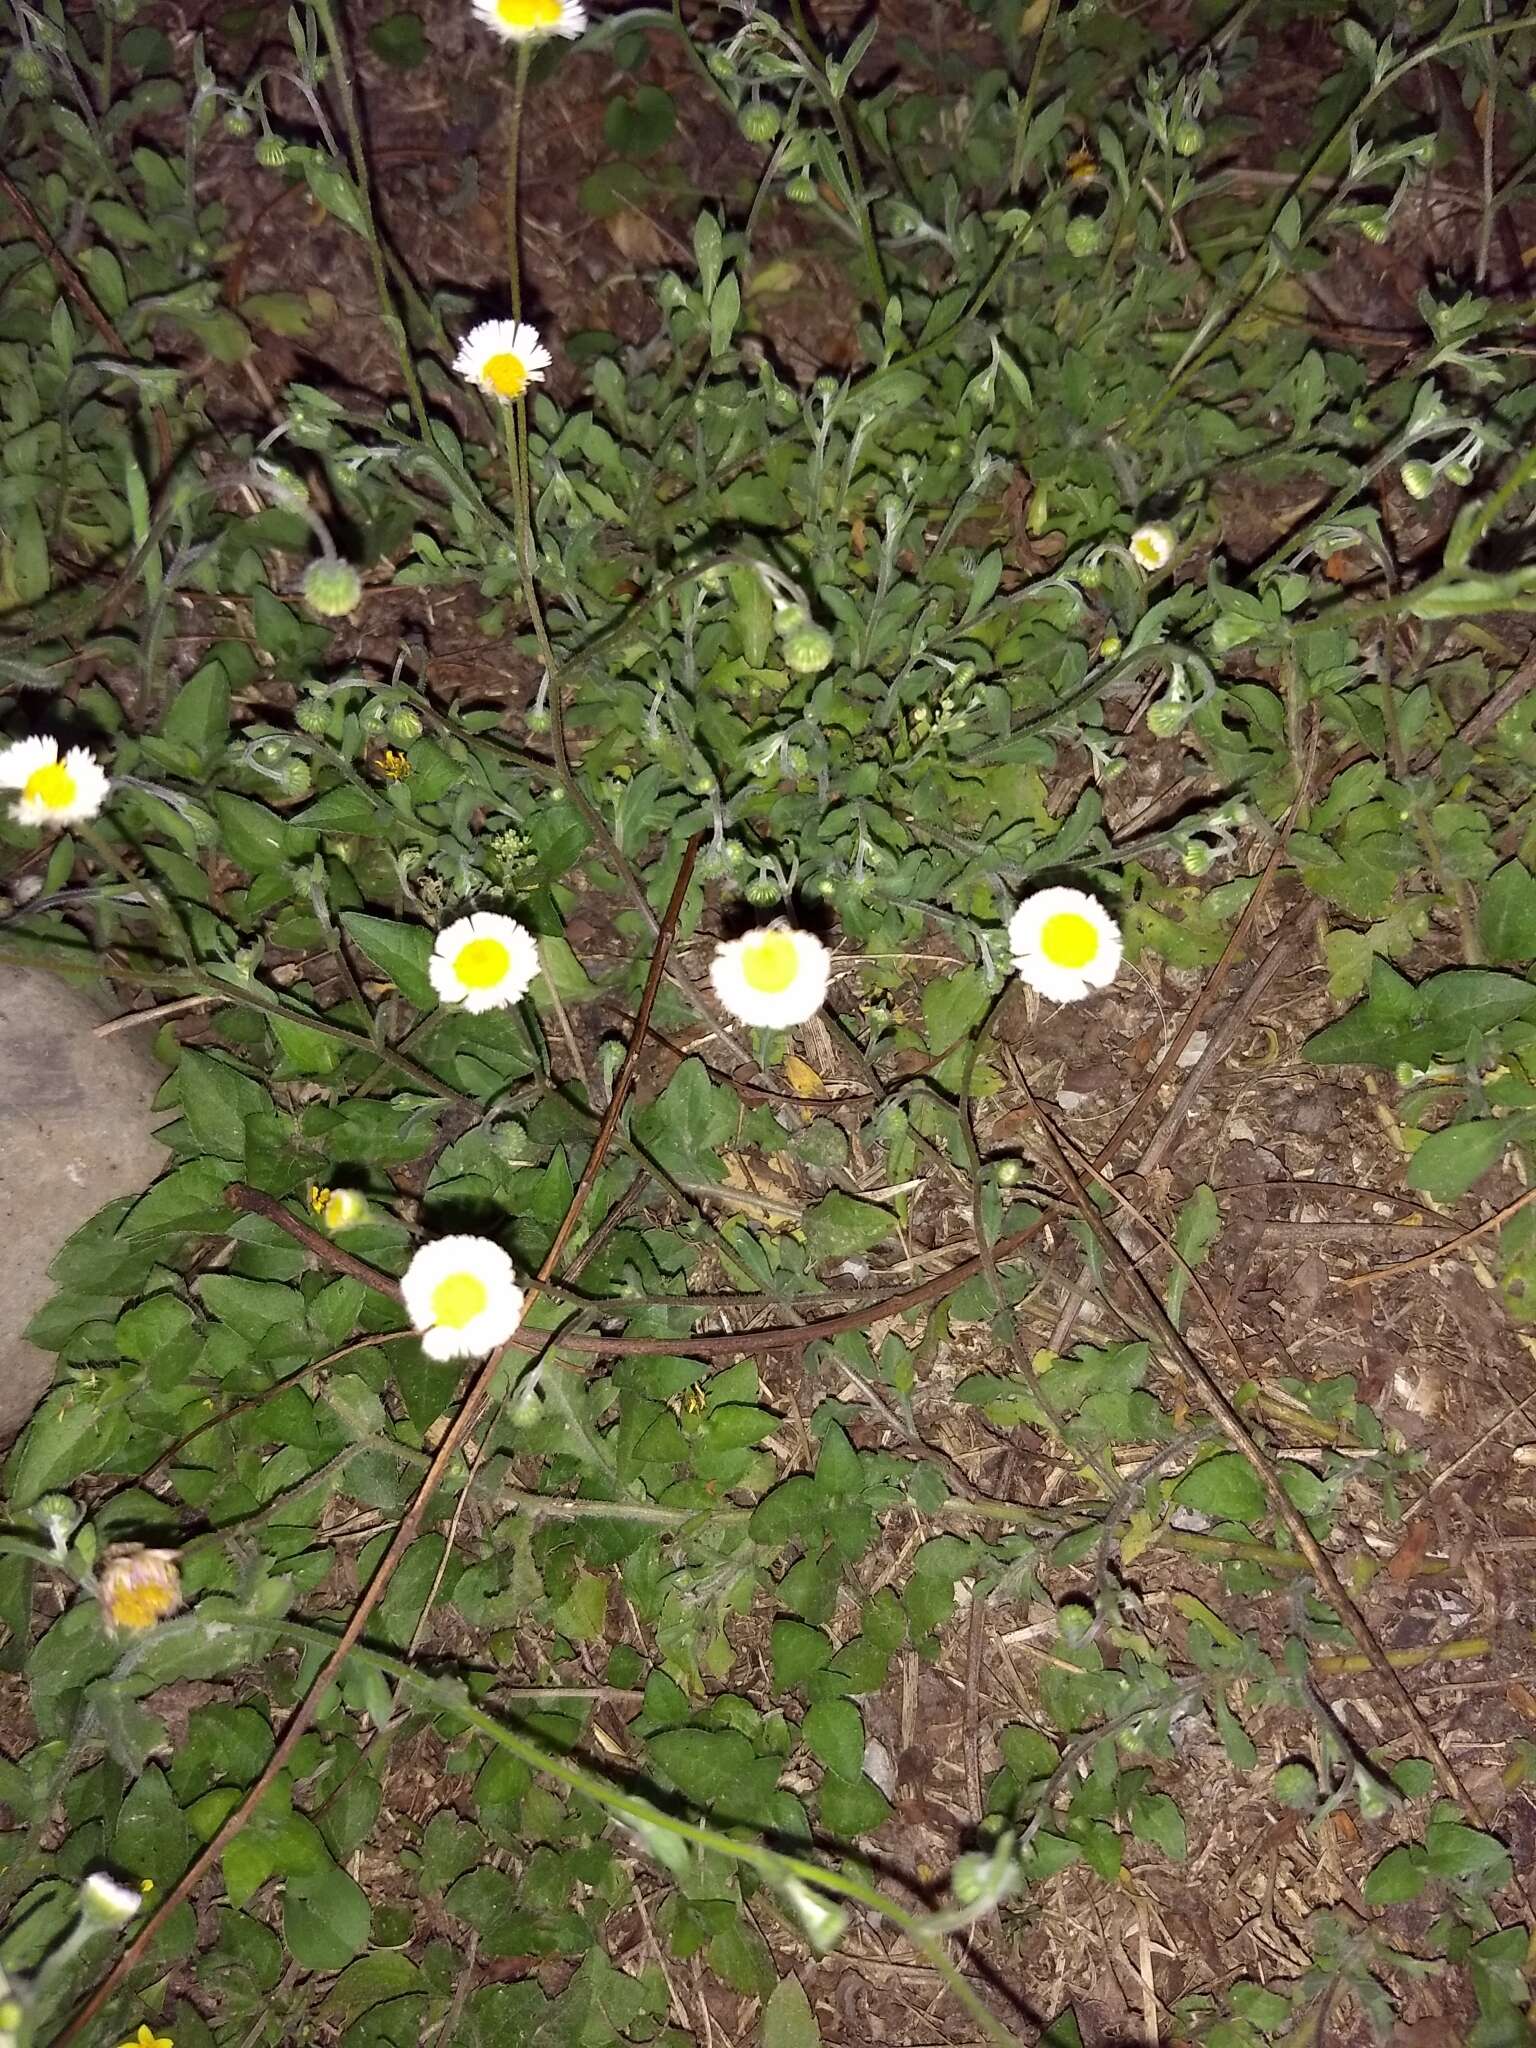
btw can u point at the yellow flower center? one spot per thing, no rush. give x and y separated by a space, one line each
770 964
1068 940
482 963
53 787
141 1606
507 374
529 17
339 1209
458 1300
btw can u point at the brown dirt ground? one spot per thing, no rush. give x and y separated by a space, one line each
1307 1166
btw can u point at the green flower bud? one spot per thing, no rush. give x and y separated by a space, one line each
789 619
801 189
1188 137
735 852
297 780
761 891
1375 227
404 724
1091 576
1075 1620
332 588
271 152
1109 646
1197 857
760 121
374 715
720 64
1417 479
1009 1172
1085 236
31 68
313 716
1166 718
237 123
527 1403
808 651
539 721
1459 474
1376 1801
822 1921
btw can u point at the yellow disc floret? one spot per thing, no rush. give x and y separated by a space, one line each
1068 940
482 963
458 1300
770 963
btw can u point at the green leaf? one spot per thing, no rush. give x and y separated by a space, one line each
849 1807
72 1432
398 39
1197 1229
788 2021
1225 1487
198 717
1449 1161
1399 1876
1155 1818
798 1653
1506 915
841 1227
791 1511
1465 1855
833 1730
326 1919
640 126
216 1099
399 951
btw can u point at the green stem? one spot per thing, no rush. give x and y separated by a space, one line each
325 13
1031 90
514 154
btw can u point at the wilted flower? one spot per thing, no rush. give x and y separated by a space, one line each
107 1902
138 1587
1152 547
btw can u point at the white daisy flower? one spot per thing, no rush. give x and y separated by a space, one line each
461 1297
503 357
54 791
1065 944
1152 547
774 977
485 962
522 21
107 1902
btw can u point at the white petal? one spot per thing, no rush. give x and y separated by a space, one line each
22 759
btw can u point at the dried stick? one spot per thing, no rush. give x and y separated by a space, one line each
1445 1247
405 1535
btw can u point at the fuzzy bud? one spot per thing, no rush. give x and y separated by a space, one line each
760 121
297 780
271 152
404 724
332 588
1417 479
1188 137
313 716
1085 237
808 650
801 189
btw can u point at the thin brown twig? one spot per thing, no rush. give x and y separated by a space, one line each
1445 1247
405 1535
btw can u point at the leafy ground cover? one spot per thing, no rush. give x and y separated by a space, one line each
996 1523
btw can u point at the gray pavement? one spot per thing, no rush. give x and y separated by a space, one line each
75 1124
